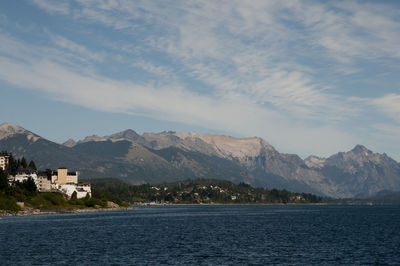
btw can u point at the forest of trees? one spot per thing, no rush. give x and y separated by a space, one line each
10 195
18 165
198 191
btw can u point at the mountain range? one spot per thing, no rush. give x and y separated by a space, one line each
170 156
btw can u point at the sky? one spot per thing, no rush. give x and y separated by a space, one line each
309 77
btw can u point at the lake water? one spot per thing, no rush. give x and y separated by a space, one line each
206 235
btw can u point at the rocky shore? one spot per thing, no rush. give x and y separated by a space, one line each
31 211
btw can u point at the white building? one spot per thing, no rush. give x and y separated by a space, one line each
21 177
82 190
68 189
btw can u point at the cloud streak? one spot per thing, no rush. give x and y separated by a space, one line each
53 7
390 104
77 49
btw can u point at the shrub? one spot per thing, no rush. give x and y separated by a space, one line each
8 204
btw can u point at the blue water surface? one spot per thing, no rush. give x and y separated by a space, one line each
206 235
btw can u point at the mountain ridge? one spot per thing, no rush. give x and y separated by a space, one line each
171 156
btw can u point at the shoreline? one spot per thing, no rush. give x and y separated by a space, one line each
31 211
227 204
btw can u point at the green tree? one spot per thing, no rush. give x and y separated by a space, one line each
12 163
29 185
49 173
32 165
24 163
74 196
3 180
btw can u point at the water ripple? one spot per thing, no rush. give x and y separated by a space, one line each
206 235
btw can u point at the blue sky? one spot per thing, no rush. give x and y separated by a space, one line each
309 77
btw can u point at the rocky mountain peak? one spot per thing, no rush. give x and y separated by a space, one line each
128 134
315 161
357 156
92 138
7 130
230 146
69 143
360 149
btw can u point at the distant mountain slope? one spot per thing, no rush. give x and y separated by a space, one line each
171 156
21 142
386 197
360 171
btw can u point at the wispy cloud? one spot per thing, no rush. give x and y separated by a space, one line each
154 69
390 104
54 7
351 29
76 49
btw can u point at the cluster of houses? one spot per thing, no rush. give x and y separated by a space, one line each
56 181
